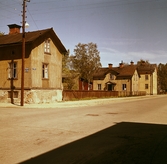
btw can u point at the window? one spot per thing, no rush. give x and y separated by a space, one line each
47 46
12 70
99 86
45 71
146 86
146 77
124 87
111 77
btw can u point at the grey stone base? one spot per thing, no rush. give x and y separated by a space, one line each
32 96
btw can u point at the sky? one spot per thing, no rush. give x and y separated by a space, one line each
124 30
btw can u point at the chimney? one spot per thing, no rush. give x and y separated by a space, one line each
109 66
121 65
131 63
14 29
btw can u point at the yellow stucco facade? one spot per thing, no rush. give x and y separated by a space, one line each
127 78
42 73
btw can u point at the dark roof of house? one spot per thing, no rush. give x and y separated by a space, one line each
12 39
126 72
146 68
121 73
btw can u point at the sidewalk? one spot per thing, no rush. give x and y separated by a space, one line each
79 103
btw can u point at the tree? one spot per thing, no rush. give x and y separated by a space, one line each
86 60
143 62
162 77
69 75
2 33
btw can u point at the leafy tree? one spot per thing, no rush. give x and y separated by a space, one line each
86 60
162 77
2 33
69 75
143 62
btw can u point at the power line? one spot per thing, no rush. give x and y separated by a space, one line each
32 18
87 6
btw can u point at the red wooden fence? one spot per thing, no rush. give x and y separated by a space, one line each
81 94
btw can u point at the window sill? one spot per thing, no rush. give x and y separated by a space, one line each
12 78
47 53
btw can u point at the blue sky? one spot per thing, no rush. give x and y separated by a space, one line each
123 30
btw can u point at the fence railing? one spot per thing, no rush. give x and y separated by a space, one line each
81 94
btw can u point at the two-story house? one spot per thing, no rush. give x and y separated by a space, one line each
122 78
129 78
43 66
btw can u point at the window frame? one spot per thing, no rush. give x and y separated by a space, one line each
45 71
146 86
47 49
99 87
111 76
124 87
146 77
12 70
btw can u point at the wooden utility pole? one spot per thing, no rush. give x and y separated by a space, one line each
23 51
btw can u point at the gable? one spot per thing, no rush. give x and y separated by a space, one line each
34 39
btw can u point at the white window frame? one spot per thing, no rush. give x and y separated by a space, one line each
99 86
124 87
45 71
111 76
12 70
47 46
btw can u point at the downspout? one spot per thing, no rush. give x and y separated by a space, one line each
131 87
151 85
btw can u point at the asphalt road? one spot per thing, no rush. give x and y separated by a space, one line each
124 131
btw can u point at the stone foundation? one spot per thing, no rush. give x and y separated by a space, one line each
32 96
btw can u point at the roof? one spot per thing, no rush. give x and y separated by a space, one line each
146 68
121 73
125 72
10 39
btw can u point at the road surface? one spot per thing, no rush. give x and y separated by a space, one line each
123 131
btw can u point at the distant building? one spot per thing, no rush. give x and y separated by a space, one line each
128 78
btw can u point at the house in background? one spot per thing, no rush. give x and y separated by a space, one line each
148 77
129 78
43 66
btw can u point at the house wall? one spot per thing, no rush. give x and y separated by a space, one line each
155 89
37 90
13 54
118 86
148 81
135 82
54 61
132 84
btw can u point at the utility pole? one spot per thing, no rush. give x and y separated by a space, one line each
23 51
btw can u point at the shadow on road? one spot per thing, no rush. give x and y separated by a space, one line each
123 143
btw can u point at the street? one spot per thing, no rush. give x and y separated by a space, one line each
122 131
